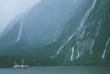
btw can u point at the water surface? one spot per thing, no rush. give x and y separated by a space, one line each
58 70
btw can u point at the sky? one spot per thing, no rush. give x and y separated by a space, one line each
9 9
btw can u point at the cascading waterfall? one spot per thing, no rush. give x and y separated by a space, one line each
60 49
72 56
79 28
82 25
64 44
92 44
86 16
103 56
20 31
81 36
73 49
77 54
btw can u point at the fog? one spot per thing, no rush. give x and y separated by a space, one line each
9 9
43 23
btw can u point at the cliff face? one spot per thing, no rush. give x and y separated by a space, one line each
66 31
88 39
39 25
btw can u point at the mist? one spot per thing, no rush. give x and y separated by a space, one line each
9 9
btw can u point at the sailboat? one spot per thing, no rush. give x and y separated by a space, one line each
20 66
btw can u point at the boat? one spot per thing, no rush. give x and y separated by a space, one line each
20 66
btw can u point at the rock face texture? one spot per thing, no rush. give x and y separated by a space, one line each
63 30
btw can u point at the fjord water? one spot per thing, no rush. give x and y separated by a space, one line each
58 70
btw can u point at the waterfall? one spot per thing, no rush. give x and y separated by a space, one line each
64 44
80 26
86 16
60 49
92 44
20 31
78 54
81 36
105 48
72 56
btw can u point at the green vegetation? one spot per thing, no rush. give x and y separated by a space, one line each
7 61
46 55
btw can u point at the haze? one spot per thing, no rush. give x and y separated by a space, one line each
9 9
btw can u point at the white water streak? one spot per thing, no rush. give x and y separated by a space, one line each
81 36
60 49
105 48
92 46
81 26
86 16
78 54
20 31
72 56
83 21
65 44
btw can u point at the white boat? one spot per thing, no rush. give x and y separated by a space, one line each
20 66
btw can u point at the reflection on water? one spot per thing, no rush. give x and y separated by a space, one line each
58 70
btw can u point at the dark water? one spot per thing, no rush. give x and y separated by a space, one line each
58 70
